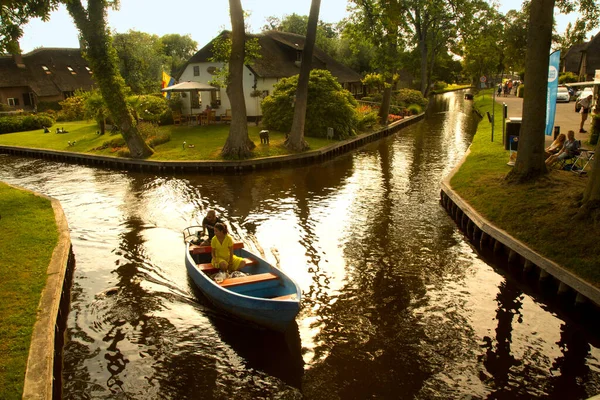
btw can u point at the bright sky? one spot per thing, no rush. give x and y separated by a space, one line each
203 20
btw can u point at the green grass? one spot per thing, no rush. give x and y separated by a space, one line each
207 141
451 88
28 238
540 214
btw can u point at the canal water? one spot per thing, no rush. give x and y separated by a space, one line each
396 302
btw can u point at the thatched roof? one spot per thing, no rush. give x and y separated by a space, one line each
59 79
279 52
592 50
572 58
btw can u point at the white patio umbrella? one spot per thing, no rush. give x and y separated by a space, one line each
188 87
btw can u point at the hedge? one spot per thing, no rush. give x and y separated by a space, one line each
22 123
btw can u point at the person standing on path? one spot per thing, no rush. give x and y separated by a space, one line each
585 104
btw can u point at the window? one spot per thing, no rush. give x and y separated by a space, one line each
45 68
13 102
215 97
197 70
28 99
195 99
71 70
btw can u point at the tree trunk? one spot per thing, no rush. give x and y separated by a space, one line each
386 99
590 208
238 144
295 141
103 61
423 50
531 156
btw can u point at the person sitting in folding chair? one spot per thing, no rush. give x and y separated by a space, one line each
569 150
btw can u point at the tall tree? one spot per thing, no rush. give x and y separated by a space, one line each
296 140
91 23
103 59
327 34
381 22
514 39
531 155
16 13
530 159
574 34
141 60
178 49
238 144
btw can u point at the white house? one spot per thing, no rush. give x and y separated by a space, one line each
281 53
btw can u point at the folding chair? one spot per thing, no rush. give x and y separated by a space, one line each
582 161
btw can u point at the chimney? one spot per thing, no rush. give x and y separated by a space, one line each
16 52
18 58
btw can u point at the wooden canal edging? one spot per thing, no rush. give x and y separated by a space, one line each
485 235
325 153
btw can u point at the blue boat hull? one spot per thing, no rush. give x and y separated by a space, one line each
254 302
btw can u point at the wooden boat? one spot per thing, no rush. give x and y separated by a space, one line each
266 296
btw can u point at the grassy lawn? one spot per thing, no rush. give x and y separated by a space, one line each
451 88
28 238
207 141
540 214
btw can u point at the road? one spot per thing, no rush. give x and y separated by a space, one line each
566 117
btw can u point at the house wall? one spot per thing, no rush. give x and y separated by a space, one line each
252 103
16 93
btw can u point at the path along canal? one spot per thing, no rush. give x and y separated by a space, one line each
397 304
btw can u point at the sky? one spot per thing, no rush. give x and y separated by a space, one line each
201 19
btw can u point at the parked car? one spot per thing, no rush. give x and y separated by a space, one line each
582 95
563 94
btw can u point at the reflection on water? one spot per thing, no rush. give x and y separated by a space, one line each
396 303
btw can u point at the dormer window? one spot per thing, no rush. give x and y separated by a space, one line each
46 70
88 70
71 70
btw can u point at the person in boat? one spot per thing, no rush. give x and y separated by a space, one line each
208 226
222 250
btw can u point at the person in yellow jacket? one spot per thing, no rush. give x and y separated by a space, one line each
222 251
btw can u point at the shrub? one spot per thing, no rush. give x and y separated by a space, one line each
44 106
373 80
22 123
397 110
329 105
73 108
149 107
567 77
394 118
367 117
440 85
410 96
414 109
152 134
124 153
521 90
114 143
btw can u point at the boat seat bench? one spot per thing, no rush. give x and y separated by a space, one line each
249 279
195 249
208 268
